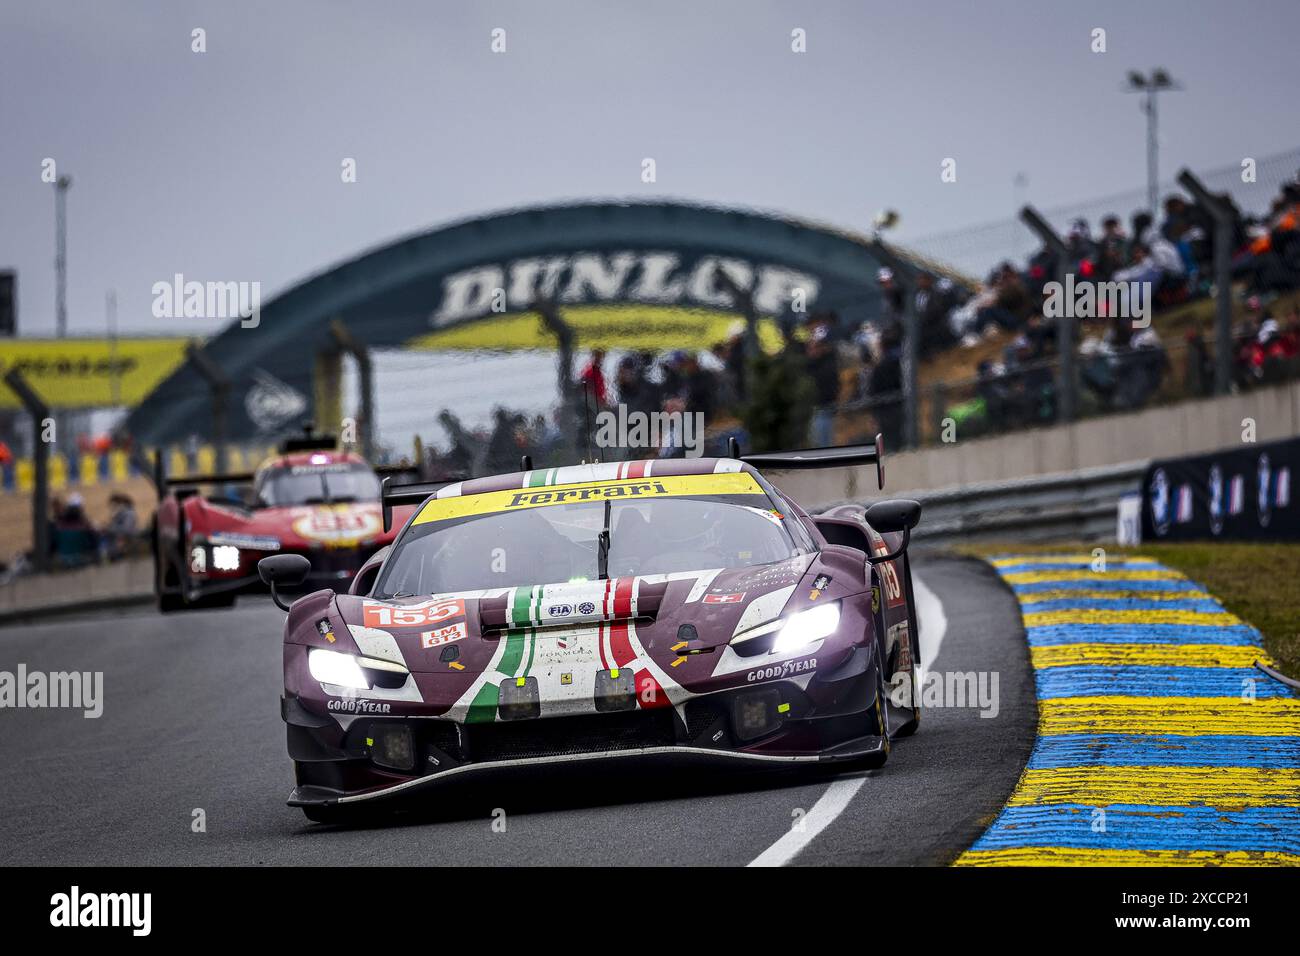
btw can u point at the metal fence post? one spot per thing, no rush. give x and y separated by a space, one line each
39 411
365 381
219 384
1225 223
1067 382
905 276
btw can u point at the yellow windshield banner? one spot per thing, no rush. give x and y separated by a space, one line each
629 326
90 373
624 489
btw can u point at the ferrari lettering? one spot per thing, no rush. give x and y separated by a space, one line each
588 493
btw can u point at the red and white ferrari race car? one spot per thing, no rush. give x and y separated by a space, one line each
311 499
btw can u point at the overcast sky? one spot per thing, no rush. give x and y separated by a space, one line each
225 165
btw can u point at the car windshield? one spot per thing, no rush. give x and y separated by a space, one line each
318 484
560 542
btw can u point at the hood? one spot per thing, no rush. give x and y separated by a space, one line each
344 525
566 648
716 604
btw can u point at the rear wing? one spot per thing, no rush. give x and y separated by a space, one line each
385 470
162 483
393 495
844 456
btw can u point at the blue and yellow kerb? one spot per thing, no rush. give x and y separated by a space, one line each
1159 742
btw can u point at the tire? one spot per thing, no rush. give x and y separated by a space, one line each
914 640
170 597
877 718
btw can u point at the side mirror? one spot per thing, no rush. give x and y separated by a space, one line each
894 514
283 570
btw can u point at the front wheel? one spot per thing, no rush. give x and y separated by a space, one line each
877 719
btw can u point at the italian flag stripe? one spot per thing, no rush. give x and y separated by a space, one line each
531 635
620 646
514 653
623 603
483 708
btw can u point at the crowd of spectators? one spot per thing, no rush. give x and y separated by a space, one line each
856 374
1122 365
75 540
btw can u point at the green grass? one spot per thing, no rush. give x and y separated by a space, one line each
1260 583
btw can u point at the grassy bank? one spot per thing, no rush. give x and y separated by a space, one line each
1260 583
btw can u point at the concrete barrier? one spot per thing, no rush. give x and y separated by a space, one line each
1166 431
101 585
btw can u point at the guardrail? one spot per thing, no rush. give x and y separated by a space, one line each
1076 506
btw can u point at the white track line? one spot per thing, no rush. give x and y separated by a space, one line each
840 793
931 622
829 806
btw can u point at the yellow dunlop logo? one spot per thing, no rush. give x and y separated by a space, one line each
625 489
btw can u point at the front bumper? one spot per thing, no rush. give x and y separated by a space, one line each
817 724
331 569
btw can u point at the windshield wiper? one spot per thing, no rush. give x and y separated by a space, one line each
602 546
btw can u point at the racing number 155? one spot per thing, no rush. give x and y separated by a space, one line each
383 615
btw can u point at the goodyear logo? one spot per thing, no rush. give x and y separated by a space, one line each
625 489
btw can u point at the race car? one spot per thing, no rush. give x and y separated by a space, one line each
681 607
310 499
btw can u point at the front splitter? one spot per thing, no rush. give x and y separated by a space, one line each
313 796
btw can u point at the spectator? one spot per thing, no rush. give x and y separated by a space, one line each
891 293
75 541
932 310
123 526
885 387
593 377
824 369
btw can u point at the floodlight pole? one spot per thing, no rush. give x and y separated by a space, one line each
61 187
1150 87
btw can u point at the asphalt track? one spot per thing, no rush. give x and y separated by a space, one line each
191 721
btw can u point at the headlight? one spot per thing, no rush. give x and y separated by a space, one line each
806 627
225 557
331 667
345 670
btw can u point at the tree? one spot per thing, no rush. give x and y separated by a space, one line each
779 410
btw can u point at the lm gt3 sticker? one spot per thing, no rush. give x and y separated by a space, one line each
443 635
